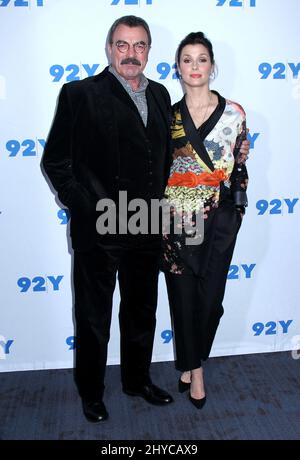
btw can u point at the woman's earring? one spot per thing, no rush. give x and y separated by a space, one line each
212 74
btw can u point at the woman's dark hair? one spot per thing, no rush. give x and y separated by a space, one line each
196 38
130 21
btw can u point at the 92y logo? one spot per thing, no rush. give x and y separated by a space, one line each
26 148
279 71
165 69
276 206
39 283
21 2
252 138
131 2
251 3
72 72
167 335
244 271
4 347
71 342
272 327
64 216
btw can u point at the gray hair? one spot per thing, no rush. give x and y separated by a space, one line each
130 21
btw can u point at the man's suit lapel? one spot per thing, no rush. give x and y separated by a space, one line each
103 99
105 114
121 94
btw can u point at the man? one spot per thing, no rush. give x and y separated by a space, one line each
111 134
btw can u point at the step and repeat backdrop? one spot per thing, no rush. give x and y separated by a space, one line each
46 43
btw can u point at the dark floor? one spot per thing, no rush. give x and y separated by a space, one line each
249 397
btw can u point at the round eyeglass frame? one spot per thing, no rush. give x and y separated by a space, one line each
123 46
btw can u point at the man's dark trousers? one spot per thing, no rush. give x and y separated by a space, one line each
136 259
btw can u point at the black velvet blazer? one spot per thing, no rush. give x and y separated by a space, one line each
81 155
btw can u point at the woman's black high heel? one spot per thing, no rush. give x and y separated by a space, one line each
183 386
199 403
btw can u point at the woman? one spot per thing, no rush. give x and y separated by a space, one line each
208 178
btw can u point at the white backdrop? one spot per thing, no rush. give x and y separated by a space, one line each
45 43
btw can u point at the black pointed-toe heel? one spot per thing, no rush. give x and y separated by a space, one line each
183 386
199 403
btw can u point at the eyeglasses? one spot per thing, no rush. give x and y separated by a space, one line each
138 47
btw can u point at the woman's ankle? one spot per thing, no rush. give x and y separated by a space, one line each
186 376
197 383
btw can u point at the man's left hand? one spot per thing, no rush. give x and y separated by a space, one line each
244 151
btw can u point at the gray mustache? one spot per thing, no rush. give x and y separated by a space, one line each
130 61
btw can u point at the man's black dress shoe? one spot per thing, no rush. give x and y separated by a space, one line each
151 393
94 411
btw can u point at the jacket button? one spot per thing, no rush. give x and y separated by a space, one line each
117 177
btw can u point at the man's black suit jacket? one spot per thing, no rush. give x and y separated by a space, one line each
81 155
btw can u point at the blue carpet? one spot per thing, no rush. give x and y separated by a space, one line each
249 397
